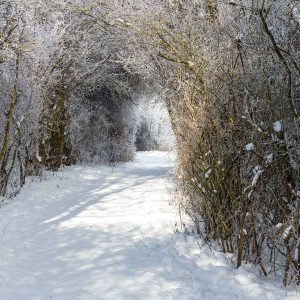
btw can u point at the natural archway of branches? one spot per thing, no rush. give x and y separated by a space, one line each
76 76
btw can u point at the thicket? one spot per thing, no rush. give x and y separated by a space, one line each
67 87
233 73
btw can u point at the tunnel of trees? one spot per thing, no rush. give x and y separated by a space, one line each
78 79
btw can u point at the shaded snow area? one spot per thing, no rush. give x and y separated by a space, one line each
92 232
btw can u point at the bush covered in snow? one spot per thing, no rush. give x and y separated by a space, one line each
232 77
103 126
66 90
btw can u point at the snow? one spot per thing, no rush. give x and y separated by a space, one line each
249 147
207 174
287 231
269 158
38 157
94 232
257 171
277 126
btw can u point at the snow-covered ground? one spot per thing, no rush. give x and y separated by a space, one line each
92 232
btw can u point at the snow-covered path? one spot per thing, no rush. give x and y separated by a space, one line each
92 233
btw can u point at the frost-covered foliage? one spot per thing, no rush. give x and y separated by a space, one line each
71 73
20 107
51 53
154 131
232 73
103 127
